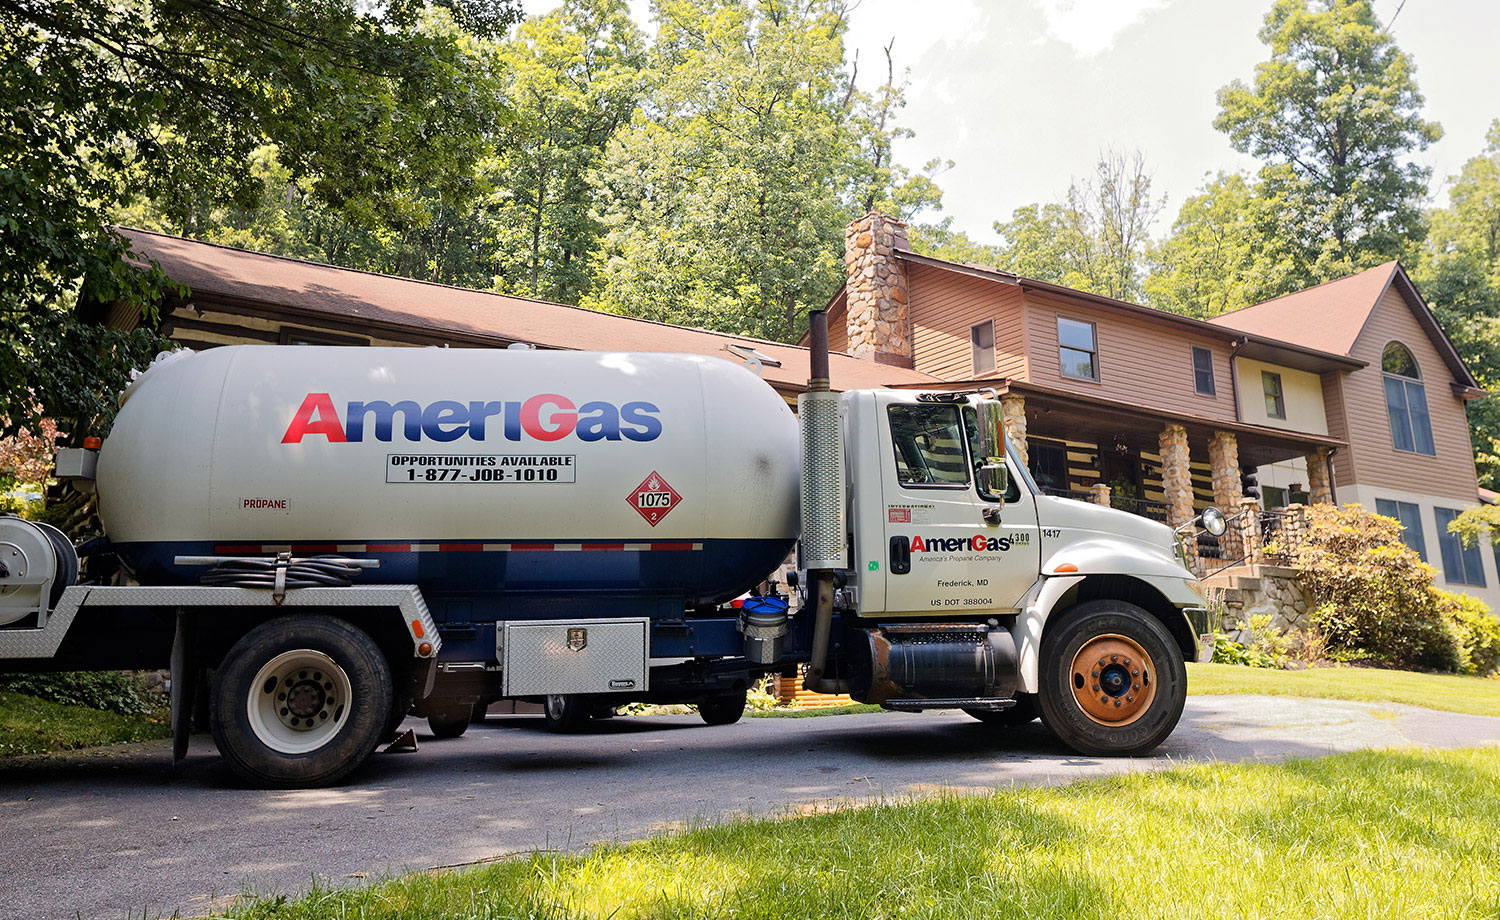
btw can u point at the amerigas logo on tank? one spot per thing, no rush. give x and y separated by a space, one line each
544 417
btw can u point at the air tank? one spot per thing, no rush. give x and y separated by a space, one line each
461 470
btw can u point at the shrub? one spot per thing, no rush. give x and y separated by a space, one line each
1476 631
1373 596
1269 647
116 691
760 698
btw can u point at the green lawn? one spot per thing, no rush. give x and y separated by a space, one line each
1368 835
32 726
1473 695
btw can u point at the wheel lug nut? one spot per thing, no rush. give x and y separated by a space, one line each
1135 672
1104 700
1117 704
1136 688
1114 657
1129 699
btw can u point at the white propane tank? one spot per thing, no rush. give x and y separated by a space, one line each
465 469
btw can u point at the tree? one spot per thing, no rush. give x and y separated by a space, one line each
1459 274
1203 266
1096 238
724 202
1335 114
573 79
941 241
104 103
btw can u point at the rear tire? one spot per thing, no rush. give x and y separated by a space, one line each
300 701
722 708
400 709
1024 712
566 713
1112 678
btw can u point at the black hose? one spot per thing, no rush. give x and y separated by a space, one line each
311 572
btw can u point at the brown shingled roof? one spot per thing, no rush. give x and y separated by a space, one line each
1328 317
313 289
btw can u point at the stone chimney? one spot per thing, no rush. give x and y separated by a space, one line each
877 315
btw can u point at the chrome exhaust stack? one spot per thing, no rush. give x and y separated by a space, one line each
825 532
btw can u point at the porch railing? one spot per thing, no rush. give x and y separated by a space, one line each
1253 537
1156 511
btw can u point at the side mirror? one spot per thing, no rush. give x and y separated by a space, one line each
994 478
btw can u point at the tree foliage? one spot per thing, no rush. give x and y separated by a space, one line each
105 103
573 79
1203 267
1459 275
1334 114
1095 239
724 202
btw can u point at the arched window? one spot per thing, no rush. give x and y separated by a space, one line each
1406 401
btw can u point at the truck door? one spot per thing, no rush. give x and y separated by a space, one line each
942 557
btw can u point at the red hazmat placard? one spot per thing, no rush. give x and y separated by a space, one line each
653 498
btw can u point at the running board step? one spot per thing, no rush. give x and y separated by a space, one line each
988 704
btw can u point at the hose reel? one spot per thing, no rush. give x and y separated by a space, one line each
37 563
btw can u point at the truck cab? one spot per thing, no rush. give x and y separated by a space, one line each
966 583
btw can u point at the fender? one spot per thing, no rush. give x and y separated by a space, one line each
1035 608
1098 556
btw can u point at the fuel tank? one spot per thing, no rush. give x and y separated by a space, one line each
459 469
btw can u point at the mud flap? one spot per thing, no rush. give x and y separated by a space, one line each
184 672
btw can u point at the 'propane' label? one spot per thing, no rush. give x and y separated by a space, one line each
481 468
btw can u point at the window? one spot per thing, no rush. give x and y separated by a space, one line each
1273 496
1203 371
291 335
1406 401
1078 355
1049 464
1275 401
982 347
1410 517
1461 564
929 446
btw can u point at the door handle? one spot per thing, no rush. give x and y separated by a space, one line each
900 561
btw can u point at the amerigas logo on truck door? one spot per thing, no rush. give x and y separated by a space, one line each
544 417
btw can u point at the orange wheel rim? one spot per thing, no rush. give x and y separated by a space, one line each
1113 680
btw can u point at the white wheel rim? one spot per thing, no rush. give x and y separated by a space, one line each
299 701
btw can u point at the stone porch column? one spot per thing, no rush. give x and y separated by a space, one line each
1176 478
1224 462
1319 480
1099 494
1248 538
1013 407
877 314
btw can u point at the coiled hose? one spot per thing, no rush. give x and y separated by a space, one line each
309 572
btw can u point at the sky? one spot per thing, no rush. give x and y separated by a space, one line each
1023 94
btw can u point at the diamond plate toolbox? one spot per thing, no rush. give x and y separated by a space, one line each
574 656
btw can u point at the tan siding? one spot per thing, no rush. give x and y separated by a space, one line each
838 325
1338 426
944 305
1377 462
256 326
1143 363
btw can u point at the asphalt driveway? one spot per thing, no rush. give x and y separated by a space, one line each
120 833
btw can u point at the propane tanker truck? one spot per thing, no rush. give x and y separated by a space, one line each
343 536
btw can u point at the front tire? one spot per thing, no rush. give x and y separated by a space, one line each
300 701
1112 679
